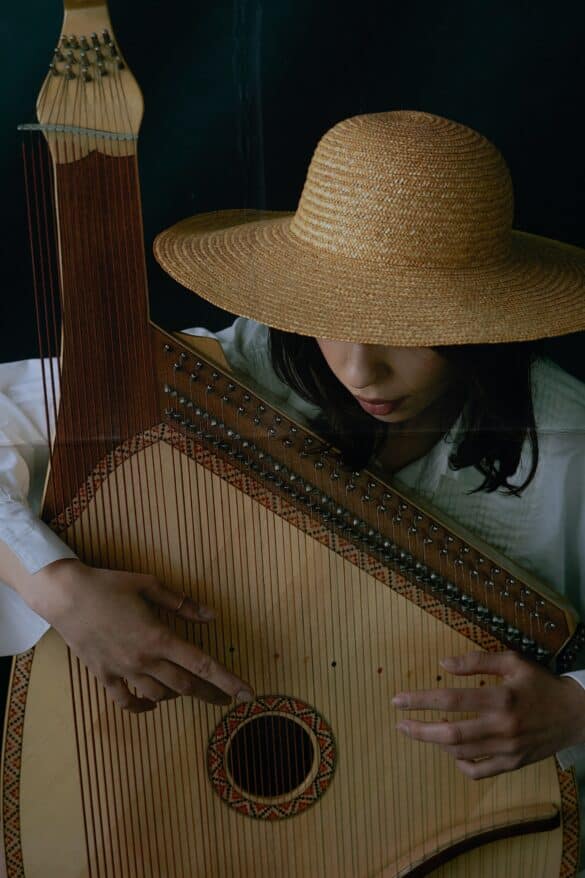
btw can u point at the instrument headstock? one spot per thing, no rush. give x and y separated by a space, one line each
89 100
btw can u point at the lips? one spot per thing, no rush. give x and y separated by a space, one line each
379 406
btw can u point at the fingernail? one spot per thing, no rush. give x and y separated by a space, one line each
400 701
449 663
244 695
206 613
402 727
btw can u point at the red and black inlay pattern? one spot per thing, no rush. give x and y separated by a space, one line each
318 779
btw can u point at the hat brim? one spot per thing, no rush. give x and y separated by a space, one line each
251 264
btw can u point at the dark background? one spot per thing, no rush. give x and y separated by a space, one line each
238 92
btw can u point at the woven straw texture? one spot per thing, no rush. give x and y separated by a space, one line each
402 236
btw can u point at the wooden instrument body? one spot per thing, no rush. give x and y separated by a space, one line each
162 463
302 613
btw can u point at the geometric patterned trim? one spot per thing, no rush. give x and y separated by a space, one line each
570 822
318 780
12 763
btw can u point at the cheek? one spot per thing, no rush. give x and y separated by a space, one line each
331 354
427 373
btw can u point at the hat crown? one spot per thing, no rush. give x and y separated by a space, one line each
407 188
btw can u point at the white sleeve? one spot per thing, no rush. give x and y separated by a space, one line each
23 464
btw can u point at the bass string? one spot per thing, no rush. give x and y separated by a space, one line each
143 728
44 294
69 241
105 276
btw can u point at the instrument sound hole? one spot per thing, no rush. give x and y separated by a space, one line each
270 756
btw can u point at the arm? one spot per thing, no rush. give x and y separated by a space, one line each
107 617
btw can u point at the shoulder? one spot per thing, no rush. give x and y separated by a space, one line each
558 398
246 345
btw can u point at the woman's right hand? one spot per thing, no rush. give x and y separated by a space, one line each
108 620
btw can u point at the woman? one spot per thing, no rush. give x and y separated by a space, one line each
403 309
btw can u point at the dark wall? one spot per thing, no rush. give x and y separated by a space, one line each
238 92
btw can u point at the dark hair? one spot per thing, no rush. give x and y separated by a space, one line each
495 385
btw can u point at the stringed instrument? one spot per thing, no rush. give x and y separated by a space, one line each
333 588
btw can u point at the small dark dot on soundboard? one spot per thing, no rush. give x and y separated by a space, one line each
439 678
380 670
482 682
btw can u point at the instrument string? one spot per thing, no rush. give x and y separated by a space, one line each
341 716
274 636
164 709
242 528
186 632
207 634
388 638
436 767
428 754
318 657
41 294
445 646
104 193
212 597
290 652
260 669
138 403
217 580
84 270
69 240
291 660
351 585
218 499
372 718
413 767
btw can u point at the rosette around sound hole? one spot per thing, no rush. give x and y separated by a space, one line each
271 758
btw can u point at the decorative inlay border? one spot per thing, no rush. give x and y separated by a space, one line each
287 707
12 764
570 823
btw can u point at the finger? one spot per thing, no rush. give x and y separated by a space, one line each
201 665
119 692
480 749
487 767
175 602
181 682
148 687
473 700
502 664
450 733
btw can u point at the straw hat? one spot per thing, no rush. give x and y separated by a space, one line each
402 236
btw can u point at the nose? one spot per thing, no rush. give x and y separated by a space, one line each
363 365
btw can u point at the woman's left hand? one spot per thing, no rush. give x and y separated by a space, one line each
532 714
